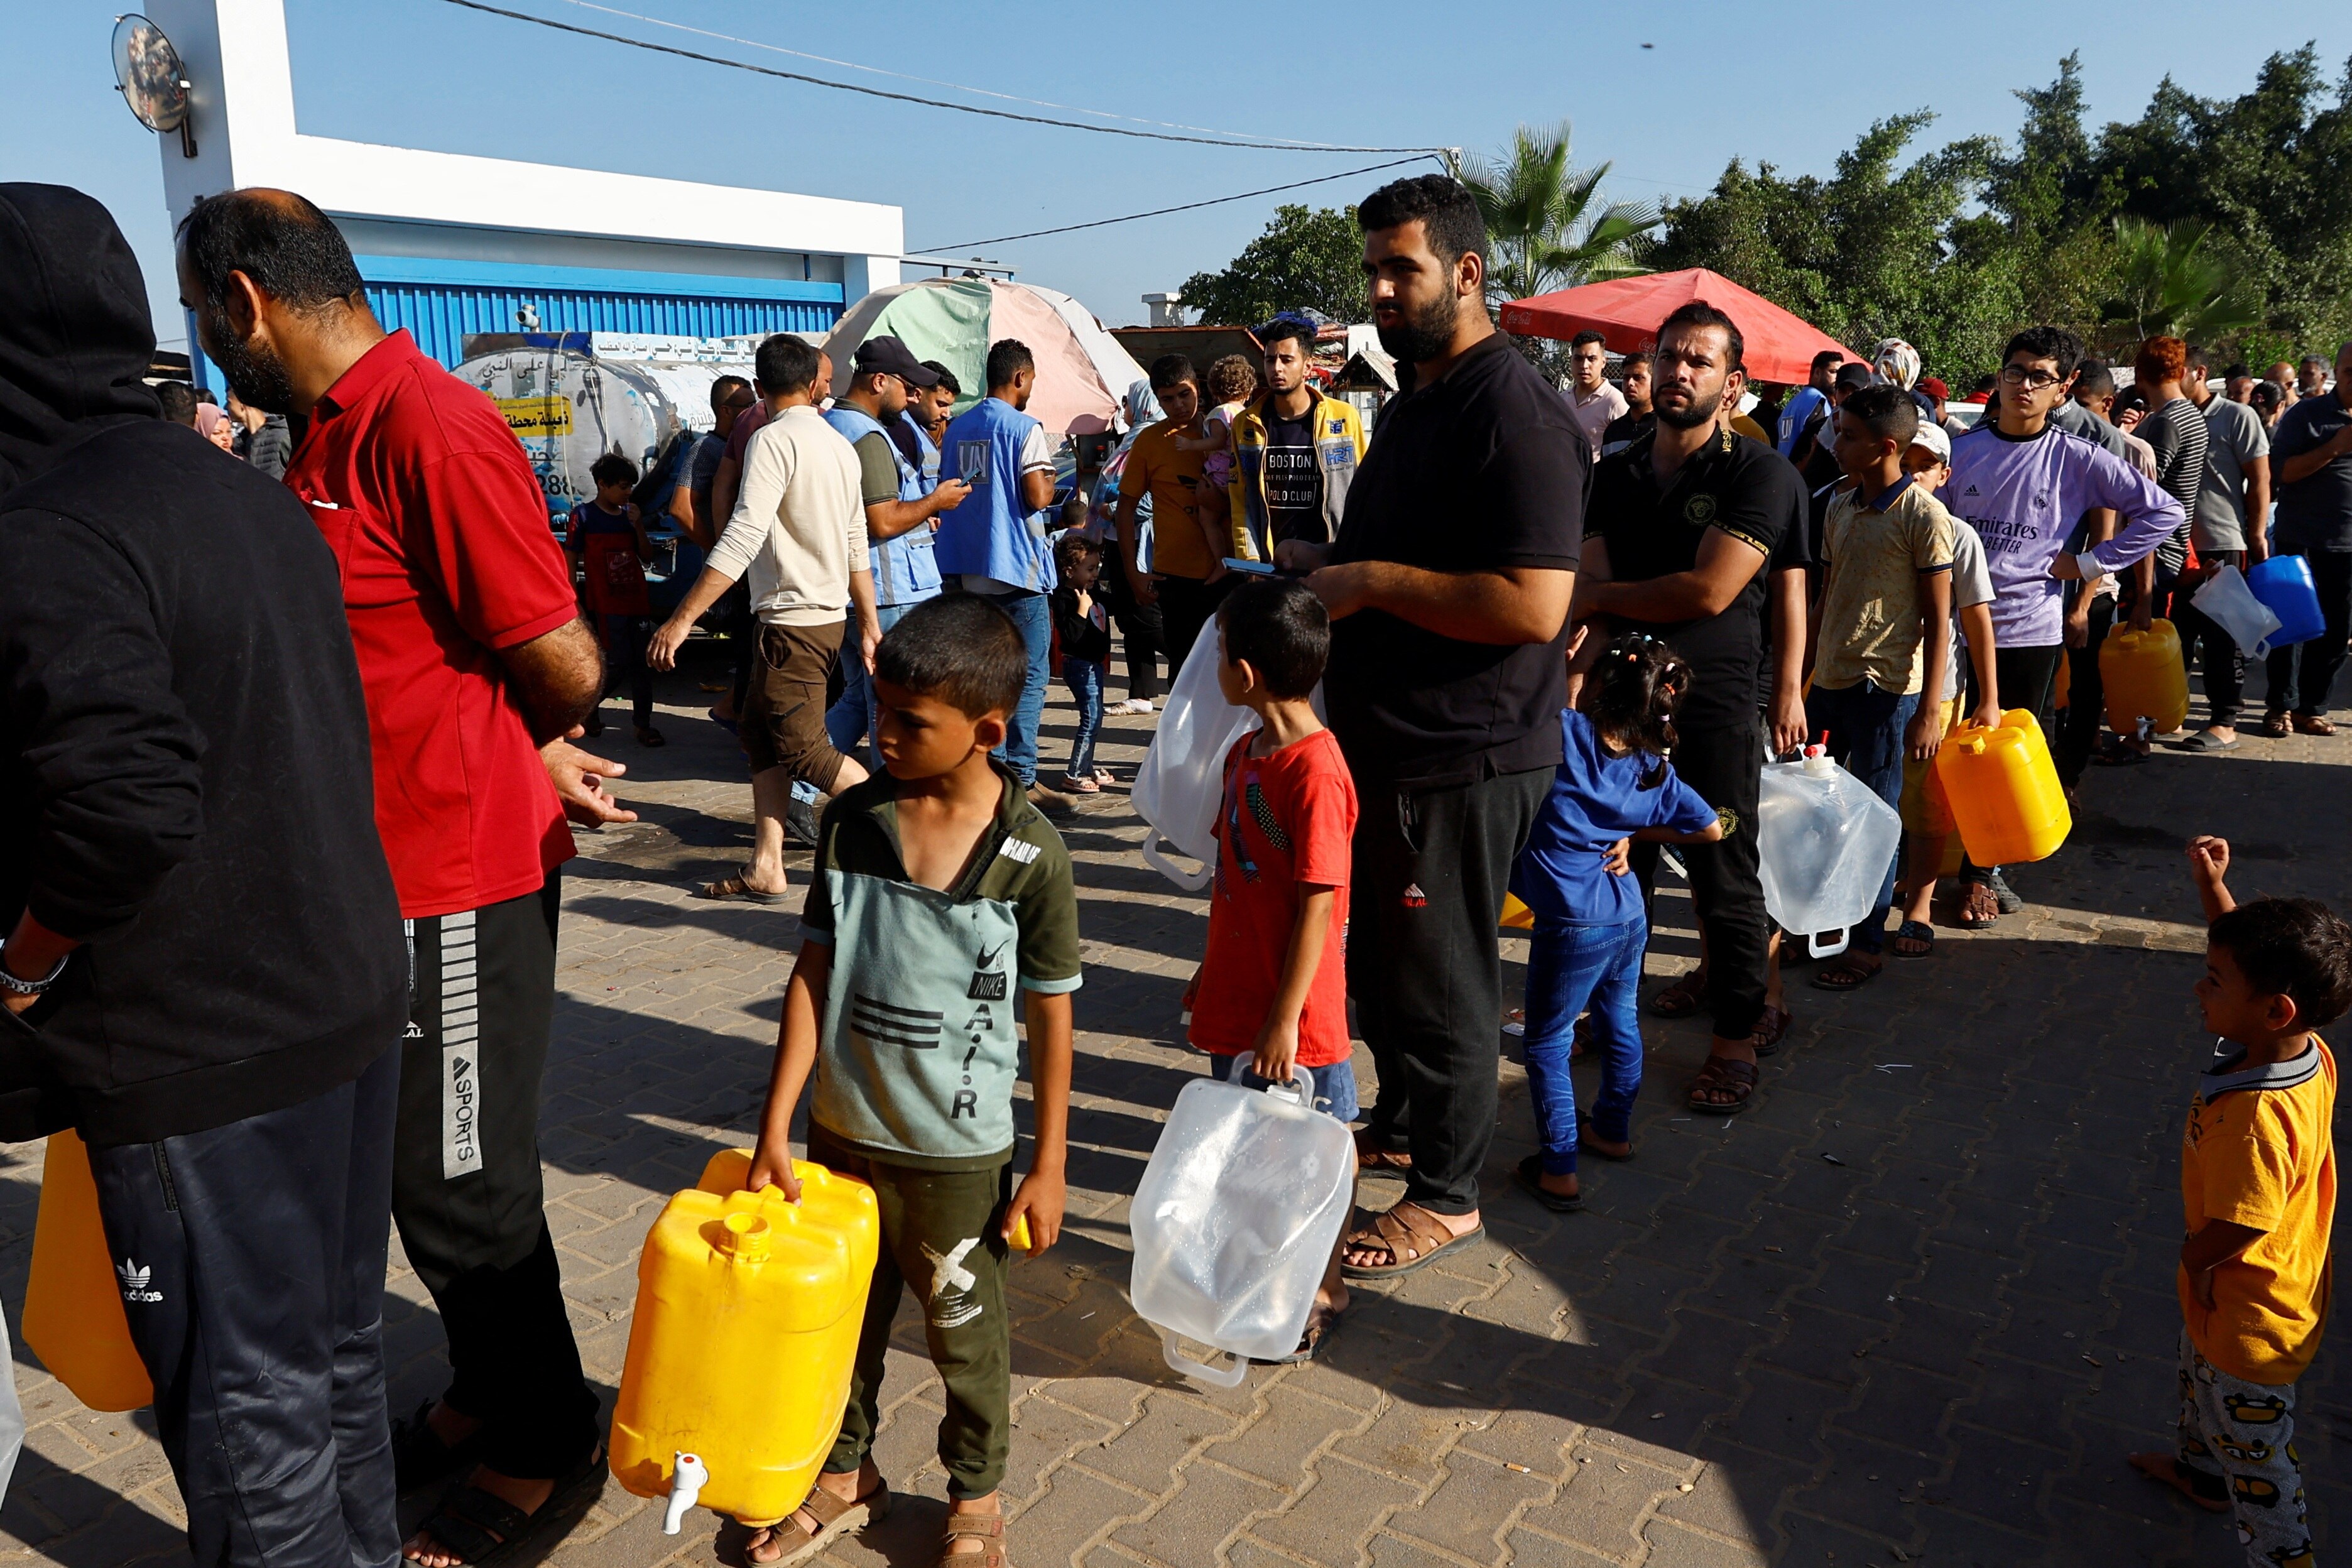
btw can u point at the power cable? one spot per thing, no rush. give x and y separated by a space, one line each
549 22
1188 207
935 81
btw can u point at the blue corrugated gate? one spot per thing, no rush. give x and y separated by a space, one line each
442 301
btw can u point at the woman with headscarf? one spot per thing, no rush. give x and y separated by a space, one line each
1137 624
216 427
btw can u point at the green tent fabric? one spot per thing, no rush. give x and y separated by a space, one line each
947 321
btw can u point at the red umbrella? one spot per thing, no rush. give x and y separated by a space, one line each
1626 313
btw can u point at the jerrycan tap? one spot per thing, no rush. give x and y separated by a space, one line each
1817 758
689 1477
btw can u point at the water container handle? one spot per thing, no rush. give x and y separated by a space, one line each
1188 881
1300 1091
1813 947
1227 1377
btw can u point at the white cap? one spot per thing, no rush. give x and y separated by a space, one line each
1934 436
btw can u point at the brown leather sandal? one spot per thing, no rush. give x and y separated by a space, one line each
1412 1240
1725 1076
1371 1154
987 1527
835 1521
2313 724
1680 998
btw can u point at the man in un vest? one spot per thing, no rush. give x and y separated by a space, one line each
1296 450
902 506
994 540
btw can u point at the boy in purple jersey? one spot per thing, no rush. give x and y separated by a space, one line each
2023 484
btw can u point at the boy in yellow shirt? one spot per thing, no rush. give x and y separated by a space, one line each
2258 1182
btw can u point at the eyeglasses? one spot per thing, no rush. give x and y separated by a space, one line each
2032 379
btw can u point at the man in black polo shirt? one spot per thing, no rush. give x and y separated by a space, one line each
1449 585
1693 528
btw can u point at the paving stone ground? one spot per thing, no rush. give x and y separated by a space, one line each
1914 1307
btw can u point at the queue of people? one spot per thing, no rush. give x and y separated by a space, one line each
1553 631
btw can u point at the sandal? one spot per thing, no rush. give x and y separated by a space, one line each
482 1530
1680 998
739 886
1322 1324
1373 1155
1849 974
1915 930
1413 1240
2276 727
1528 1173
649 737
1074 783
988 1527
835 1520
1725 1075
419 1457
1771 1031
1979 907
2313 724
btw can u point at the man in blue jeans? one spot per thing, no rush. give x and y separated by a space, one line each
1886 595
994 541
901 505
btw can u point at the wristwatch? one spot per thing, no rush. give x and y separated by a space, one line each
16 987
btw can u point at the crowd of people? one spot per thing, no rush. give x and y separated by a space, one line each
292 995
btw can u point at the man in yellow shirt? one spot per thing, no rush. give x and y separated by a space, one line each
2258 1185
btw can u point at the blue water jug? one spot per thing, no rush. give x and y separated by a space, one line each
2283 584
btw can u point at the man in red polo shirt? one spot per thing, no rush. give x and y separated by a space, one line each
476 667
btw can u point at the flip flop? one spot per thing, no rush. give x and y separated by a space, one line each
1426 1245
2313 724
2203 741
736 886
1845 975
483 1530
730 725
1916 930
1529 1173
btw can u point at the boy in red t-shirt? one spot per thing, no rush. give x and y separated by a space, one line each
609 548
1272 992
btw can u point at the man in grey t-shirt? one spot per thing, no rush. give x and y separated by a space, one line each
2227 511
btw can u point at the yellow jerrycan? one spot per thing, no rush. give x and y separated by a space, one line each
2145 678
2003 788
740 1355
73 1302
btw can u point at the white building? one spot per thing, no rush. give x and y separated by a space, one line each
451 245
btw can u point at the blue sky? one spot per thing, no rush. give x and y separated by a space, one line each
1792 87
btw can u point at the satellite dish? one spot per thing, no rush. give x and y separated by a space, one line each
151 79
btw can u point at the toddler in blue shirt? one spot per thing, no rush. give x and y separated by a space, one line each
1613 784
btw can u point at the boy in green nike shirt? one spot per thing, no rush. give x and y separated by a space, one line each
941 901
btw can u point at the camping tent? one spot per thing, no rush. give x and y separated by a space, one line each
1082 372
1626 311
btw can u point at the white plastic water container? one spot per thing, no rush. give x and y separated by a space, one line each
1235 1219
1824 841
2229 604
1182 779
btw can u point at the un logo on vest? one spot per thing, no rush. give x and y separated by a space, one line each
1699 510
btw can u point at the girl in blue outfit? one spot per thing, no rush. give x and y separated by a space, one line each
1613 784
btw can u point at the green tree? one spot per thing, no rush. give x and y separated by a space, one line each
2177 283
1879 249
1310 258
1546 220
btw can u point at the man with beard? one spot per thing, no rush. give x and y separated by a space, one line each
1295 448
1694 524
476 665
1448 589
203 956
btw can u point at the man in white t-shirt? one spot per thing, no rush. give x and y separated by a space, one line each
797 535
2228 524
1592 401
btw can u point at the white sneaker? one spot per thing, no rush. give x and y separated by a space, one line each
1132 705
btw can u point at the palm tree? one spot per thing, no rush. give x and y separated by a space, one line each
2176 284
1546 220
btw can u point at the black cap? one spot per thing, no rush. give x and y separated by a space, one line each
885 355
1852 377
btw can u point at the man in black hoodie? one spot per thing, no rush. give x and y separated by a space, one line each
203 968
